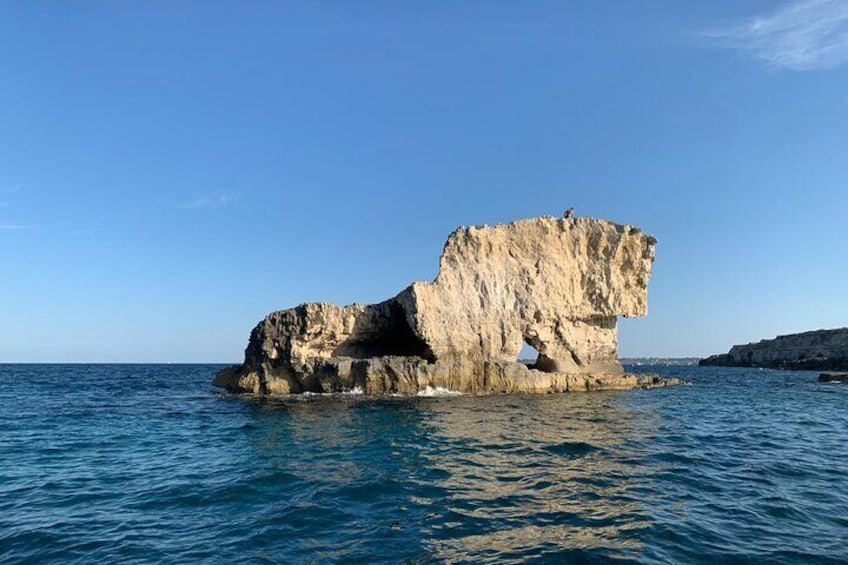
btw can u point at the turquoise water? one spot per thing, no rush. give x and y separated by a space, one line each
149 463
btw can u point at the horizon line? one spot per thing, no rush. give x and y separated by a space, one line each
627 357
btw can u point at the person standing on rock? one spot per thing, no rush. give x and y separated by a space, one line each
569 214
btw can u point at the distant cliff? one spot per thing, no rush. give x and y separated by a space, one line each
555 284
818 350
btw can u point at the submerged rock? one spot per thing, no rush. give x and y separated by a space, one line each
833 378
555 284
821 350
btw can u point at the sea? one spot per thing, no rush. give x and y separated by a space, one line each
151 464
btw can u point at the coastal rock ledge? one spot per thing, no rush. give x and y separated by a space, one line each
819 350
555 284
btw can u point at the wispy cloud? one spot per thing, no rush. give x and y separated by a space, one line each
212 200
10 227
802 35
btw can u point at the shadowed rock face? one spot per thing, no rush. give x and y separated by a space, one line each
555 284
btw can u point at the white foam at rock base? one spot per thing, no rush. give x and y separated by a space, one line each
438 391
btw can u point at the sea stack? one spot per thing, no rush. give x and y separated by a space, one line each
556 284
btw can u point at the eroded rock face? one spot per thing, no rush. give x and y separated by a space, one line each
556 284
816 350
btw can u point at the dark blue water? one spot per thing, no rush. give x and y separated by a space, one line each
149 463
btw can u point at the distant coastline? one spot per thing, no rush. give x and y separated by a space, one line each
665 361
819 350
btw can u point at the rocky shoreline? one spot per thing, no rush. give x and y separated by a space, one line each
833 378
820 350
408 377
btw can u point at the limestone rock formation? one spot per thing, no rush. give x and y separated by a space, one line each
556 284
819 350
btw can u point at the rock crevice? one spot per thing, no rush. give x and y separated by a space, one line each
556 284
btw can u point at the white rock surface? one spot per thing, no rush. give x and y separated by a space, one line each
556 284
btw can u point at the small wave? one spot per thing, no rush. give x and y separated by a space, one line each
438 391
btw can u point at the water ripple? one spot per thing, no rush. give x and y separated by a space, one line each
147 463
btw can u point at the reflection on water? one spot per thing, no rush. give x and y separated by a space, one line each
531 472
497 476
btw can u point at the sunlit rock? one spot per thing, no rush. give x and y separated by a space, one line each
556 284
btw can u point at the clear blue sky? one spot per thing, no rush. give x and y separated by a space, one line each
170 172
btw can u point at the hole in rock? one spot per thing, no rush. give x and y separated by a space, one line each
528 355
